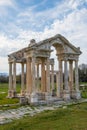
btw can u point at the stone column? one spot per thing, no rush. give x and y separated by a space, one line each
78 95
33 75
22 80
10 80
14 79
34 95
58 84
48 92
28 77
71 76
66 76
76 76
61 78
48 75
52 76
37 76
43 86
66 89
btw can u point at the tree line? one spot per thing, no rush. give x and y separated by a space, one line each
82 77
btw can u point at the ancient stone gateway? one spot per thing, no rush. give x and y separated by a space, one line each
36 58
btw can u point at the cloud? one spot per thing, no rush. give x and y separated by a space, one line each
6 2
9 45
66 19
39 19
73 27
3 64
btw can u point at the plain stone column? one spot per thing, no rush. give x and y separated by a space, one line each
33 75
22 80
66 94
14 79
48 75
58 84
28 77
78 94
10 80
37 76
61 77
71 75
76 76
43 87
52 76
66 76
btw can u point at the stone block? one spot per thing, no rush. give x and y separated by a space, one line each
76 94
34 98
23 101
66 95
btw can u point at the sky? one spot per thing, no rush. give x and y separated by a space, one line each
23 20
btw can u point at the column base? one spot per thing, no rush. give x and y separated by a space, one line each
9 94
23 100
48 96
61 94
53 93
66 95
14 94
34 98
75 94
22 92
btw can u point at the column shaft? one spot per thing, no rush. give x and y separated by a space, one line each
76 76
14 76
37 76
66 76
60 76
10 76
22 79
48 76
10 81
58 84
71 75
43 86
28 77
33 75
52 76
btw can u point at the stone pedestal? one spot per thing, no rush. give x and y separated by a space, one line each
41 96
66 95
76 94
14 94
48 96
23 101
22 92
34 98
9 94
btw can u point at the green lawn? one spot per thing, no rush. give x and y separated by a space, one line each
3 95
72 118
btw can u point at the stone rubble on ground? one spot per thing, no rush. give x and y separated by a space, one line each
7 116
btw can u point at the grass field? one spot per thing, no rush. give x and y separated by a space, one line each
3 96
4 93
72 118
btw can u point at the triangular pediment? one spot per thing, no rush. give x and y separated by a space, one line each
56 41
43 48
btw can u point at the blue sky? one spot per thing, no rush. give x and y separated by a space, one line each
22 20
